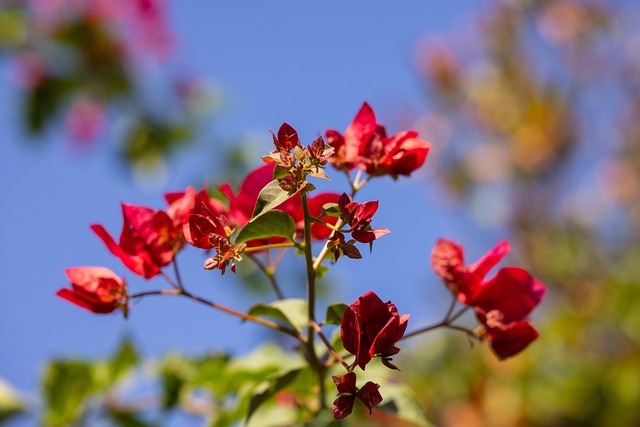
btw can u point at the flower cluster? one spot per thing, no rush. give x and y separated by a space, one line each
365 145
501 304
273 210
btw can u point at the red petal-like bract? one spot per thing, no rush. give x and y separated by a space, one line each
365 145
370 327
447 260
343 406
512 339
369 395
512 291
148 241
96 289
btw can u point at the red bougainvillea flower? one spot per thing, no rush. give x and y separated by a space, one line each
348 392
148 241
501 303
365 144
183 204
287 138
241 205
96 289
359 216
205 229
447 260
371 327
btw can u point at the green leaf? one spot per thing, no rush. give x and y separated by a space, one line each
270 197
270 224
400 401
10 403
269 388
126 419
331 209
175 373
319 173
322 270
292 312
66 387
279 172
123 360
334 313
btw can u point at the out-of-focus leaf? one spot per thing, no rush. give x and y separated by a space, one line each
127 419
400 401
123 360
209 372
43 103
274 416
10 403
66 386
271 224
175 373
292 312
269 388
334 313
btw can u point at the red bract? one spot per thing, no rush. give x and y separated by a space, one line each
96 289
359 216
447 260
287 138
371 327
501 303
148 241
203 226
365 145
346 385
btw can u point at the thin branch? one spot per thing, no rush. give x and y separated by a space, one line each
170 280
225 309
270 275
328 344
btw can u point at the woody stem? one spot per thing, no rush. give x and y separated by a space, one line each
311 301
225 309
268 271
328 345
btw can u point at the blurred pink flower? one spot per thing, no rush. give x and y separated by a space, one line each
85 119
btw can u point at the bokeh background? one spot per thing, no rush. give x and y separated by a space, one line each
532 110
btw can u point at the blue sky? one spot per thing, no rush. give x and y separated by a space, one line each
311 64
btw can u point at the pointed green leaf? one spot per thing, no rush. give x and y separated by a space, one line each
319 173
292 312
271 224
401 401
123 360
10 403
279 172
66 387
269 388
334 313
331 209
270 197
